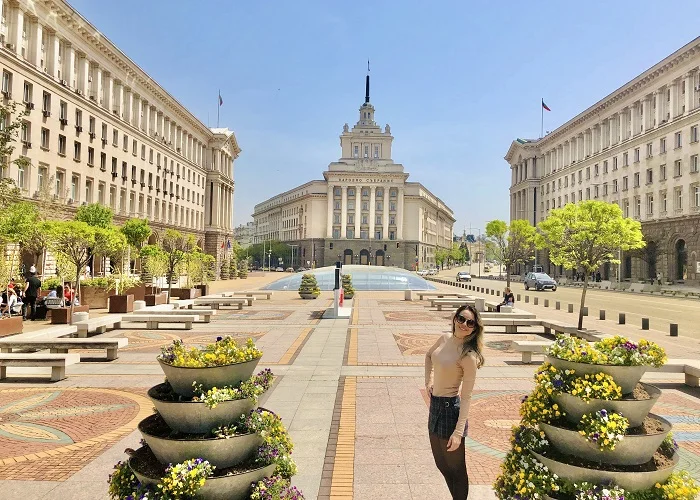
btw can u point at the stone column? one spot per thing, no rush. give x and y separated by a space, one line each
689 92
54 67
69 63
129 116
329 224
358 211
385 214
645 114
19 26
98 86
109 95
372 202
399 216
120 100
634 117
673 107
658 96
343 212
37 34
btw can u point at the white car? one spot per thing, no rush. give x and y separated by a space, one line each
432 271
422 272
464 276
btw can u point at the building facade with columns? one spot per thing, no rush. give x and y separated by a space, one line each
99 129
637 147
364 211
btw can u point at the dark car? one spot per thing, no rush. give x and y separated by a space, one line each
540 281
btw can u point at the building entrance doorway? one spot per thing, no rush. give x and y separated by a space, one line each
347 257
379 258
364 257
681 260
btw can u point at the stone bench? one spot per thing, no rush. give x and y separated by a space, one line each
182 304
217 302
98 325
689 367
256 293
511 324
528 347
510 315
450 303
61 346
440 295
154 320
57 362
492 306
204 314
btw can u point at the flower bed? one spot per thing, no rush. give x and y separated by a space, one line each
225 351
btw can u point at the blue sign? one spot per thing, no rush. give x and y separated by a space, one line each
471 238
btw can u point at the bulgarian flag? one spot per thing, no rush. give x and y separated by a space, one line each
544 106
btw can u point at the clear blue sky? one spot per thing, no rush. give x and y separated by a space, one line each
457 81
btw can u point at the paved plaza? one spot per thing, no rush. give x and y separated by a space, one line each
349 390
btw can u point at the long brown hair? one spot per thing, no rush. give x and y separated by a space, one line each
475 341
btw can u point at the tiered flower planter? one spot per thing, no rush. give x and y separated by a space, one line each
633 450
182 430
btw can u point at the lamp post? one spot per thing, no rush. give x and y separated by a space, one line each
388 257
269 259
357 259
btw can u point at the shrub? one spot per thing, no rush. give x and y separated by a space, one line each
51 283
224 269
309 285
243 269
348 290
233 268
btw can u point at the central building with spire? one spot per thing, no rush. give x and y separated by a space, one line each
364 211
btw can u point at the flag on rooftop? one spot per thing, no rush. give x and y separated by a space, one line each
544 106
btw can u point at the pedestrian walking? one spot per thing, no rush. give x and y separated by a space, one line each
453 361
31 292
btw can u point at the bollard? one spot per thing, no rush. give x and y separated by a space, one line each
674 330
601 314
527 299
546 302
536 301
585 310
518 298
557 305
645 323
571 308
621 318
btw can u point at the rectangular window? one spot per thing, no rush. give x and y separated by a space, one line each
662 145
624 183
356 152
91 157
380 206
392 220
392 235
664 203
28 91
62 145
366 151
45 138
605 167
104 133
351 191
91 126
376 151
694 133
7 83
625 159
636 179
588 173
63 112
134 147
76 151
365 205
696 195
88 190
74 183
78 120
650 204
694 164
46 103
351 205
150 155
595 193
605 189
336 191
615 186
650 175
364 220
125 143
115 138
637 207
679 199
662 172
626 209
336 233
649 150
677 168
20 177
378 220
350 233
677 140
351 218
614 163
336 205
103 162
596 170
392 205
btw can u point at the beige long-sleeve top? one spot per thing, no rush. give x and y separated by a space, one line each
451 369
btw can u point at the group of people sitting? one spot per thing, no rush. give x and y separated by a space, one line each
25 299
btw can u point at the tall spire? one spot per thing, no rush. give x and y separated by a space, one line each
367 84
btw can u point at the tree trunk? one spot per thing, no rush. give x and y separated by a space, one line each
583 301
508 276
170 283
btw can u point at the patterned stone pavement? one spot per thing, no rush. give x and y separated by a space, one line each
350 391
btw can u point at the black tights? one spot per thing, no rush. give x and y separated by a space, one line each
452 465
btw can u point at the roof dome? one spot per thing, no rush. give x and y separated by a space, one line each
363 278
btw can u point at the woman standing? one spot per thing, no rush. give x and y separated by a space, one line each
452 361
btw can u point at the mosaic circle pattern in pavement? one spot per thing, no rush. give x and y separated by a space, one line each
152 341
249 314
33 421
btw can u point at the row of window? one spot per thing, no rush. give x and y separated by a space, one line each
364 234
379 205
356 152
365 192
364 219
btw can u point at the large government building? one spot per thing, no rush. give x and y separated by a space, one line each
363 212
99 129
637 147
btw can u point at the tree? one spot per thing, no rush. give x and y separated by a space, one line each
651 253
110 242
440 256
19 224
514 243
584 235
9 134
9 192
95 215
73 240
154 263
175 246
137 232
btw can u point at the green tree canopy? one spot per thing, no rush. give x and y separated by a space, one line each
175 245
154 262
13 123
9 193
514 243
587 234
137 231
95 215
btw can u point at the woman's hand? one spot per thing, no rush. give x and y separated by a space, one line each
454 443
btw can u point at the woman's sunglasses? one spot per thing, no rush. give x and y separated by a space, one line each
464 321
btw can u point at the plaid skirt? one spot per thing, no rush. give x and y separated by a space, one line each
443 415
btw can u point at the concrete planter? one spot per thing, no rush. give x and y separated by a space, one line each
626 377
11 326
631 450
220 452
203 290
121 303
231 487
635 411
181 378
137 291
631 481
63 316
195 417
307 296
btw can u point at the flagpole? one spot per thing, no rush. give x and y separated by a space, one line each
218 108
542 118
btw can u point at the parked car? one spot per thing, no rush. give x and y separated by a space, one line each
279 270
290 269
540 281
432 271
464 276
422 272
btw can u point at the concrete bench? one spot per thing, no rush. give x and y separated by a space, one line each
182 304
689 367
511 315
61 346
440 295
217 302
204 314
450 303
154 320
528 347
511 325
256 293
98 325
57 362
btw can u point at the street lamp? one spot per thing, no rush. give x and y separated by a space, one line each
357 259
387 260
